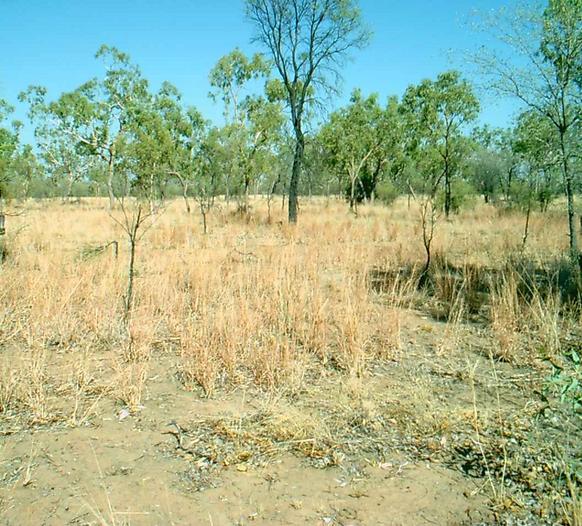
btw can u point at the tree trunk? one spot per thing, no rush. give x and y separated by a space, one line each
448 197
375 179
69 188
131 274
427 237
526 228
364 195
110 168
508 189
296 172
204 223
271 195
246 196
152 192
185 196
574 255
352 193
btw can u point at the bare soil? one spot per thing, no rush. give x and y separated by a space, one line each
234 459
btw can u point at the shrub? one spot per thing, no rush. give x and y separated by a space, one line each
386 192
463 195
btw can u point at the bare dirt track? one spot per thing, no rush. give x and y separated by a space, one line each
138 485
134 471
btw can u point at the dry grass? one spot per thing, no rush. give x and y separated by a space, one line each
259 304
251 300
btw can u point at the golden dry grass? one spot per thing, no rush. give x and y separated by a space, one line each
250 300
262 304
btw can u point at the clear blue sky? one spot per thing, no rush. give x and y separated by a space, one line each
52 43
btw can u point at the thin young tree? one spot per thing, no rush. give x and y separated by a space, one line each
308 42
434 113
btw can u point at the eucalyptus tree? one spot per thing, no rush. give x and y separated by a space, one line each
437 112
163 141
388 162
364 141
422 172
265 125
182 140
276 173
208 165
9 141
495 163
27 172
308 42
352 136
64 157
434 114
538 159
253 123
539 153
230 79
489 166
540 65
319 177
147 151
95 120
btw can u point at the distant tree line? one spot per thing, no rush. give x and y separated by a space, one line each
113 136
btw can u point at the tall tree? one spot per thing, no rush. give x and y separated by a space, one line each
494 163
308 40
352 136
27 171
229 78
437 111
539 153
63 157
252 122
9 139
181 138
543 70
96 117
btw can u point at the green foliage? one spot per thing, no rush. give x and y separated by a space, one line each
9 141
387 192
435 113
565 382
492 162
544 74
245 148
462 196
231 75
538 151
112 128
352 136
363 143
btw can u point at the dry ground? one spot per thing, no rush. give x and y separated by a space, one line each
278 375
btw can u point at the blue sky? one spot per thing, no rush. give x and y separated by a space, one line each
52 43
